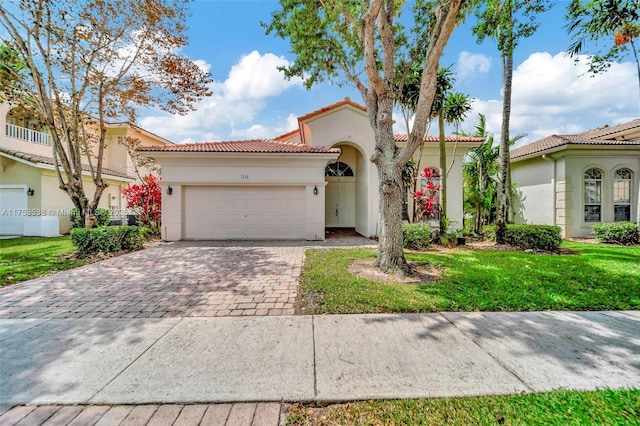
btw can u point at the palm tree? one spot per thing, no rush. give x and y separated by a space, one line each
506 21
448 108
480 170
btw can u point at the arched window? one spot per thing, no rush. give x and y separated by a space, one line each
338 169
622 195
593 195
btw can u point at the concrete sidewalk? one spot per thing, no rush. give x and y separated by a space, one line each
313 358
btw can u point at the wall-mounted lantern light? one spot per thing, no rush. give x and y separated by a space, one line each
169 190
315 190
30 192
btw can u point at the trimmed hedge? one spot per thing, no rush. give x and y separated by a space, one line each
103 217
416 236
534 237
108 239
625 233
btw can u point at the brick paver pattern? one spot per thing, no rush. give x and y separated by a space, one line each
248 414
186 279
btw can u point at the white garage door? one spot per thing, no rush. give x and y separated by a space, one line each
244 212
13 204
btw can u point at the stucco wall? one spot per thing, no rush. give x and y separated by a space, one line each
533 201
243 171
341 124
349 126
535 182
49 203
577 162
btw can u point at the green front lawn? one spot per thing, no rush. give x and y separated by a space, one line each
597 277
605 407
22 259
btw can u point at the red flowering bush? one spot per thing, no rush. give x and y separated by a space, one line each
427 198
146 200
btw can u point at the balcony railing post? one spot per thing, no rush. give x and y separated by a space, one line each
18 132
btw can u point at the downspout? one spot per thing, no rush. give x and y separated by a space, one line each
553 184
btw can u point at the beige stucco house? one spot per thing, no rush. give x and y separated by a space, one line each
31 203
574 181
291 187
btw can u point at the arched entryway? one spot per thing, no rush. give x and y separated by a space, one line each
345 193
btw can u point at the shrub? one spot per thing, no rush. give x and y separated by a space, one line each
489 232
625 233
535 237
107 239
75 219
102 218
416 236
145 199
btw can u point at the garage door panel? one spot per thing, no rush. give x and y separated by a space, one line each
12 203
244 212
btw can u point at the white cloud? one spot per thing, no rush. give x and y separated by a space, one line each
552 95
203 65
256 77
236 101
259 131
400 124
472 63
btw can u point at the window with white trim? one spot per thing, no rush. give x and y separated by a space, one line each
593 195
622 195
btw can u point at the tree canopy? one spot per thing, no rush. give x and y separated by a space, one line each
361 43
85 63
608 28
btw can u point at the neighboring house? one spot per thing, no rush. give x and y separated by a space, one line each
290 187
574 181
31 202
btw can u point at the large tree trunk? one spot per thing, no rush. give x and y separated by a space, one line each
391 251
503 175
443 175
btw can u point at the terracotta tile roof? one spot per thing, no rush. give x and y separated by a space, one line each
248 146
403 137
286 135
602 132
346 101
141 130
39 159
556 141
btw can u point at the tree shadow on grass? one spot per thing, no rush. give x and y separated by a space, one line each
511 281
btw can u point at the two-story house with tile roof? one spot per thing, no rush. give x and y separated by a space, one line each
31 202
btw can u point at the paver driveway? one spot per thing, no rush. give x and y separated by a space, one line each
185 279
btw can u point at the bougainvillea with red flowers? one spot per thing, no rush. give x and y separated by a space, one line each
145 199
427 199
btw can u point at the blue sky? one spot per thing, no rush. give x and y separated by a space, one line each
252 100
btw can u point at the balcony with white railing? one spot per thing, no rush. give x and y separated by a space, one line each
33 136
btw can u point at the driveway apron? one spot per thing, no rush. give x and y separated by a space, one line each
185 279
